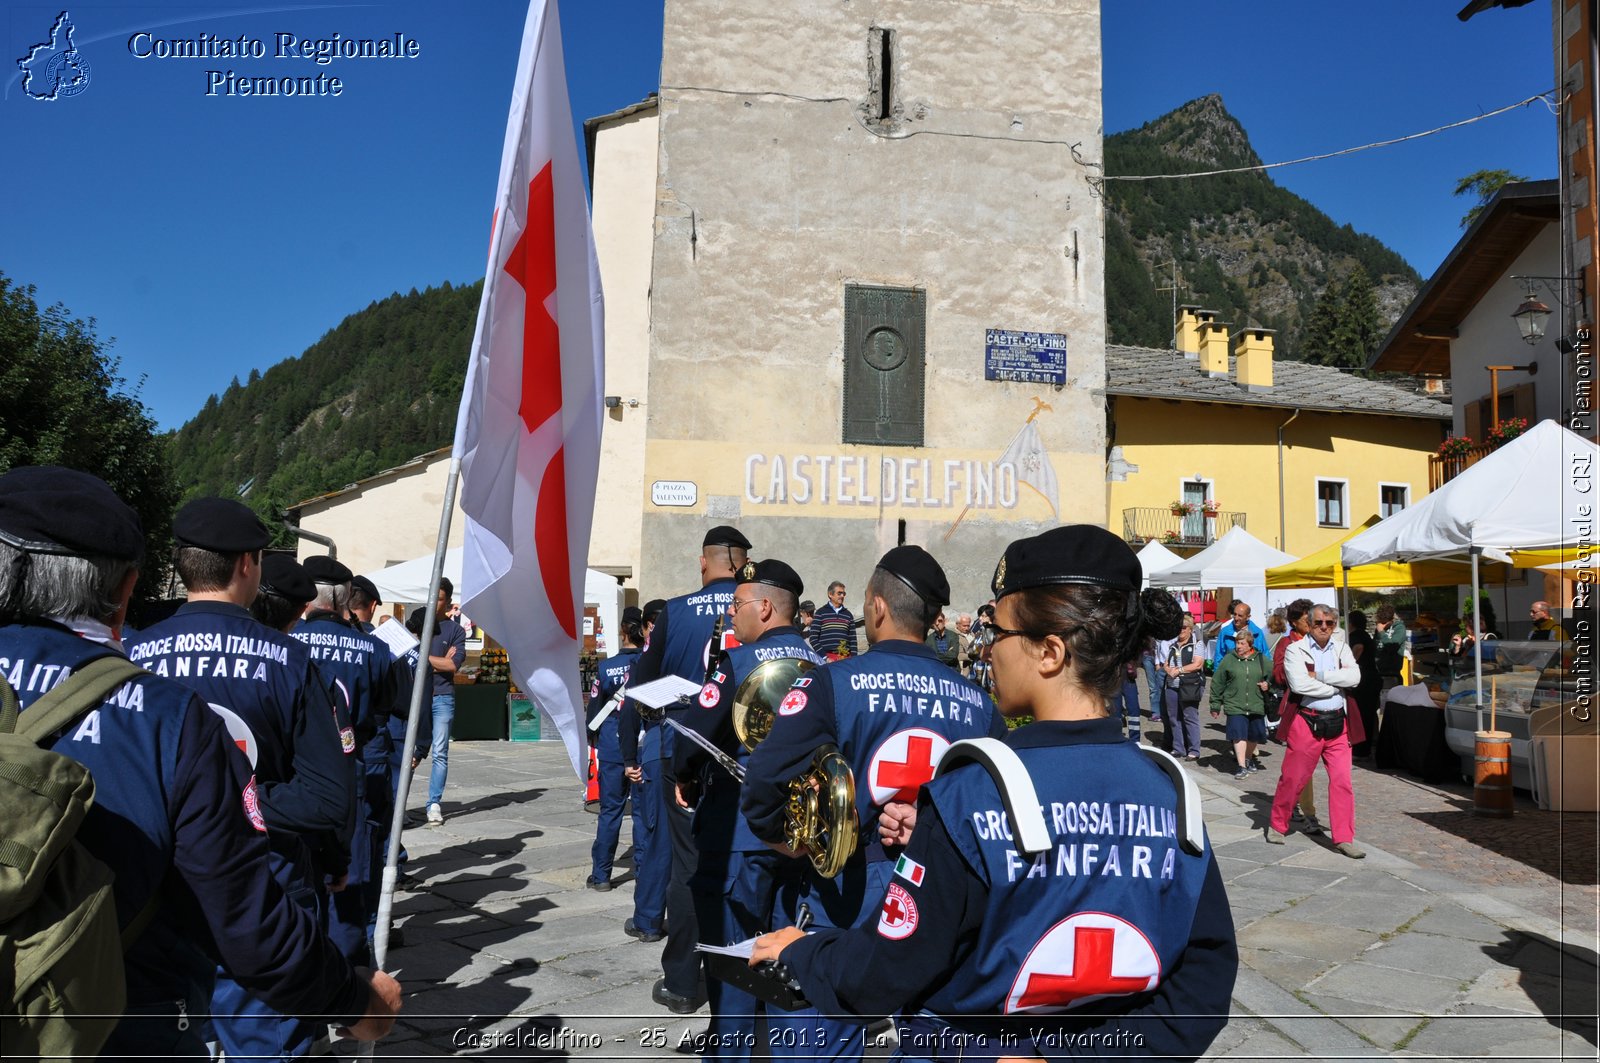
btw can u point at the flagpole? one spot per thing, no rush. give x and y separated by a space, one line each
391 866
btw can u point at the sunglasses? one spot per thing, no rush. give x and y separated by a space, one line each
1324 623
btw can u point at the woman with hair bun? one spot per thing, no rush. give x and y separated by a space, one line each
1100 928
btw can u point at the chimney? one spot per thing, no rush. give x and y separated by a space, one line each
1189 329
1253 347
1213 348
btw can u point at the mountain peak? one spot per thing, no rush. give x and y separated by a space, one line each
1200 135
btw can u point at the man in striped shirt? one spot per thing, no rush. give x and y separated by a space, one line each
833 629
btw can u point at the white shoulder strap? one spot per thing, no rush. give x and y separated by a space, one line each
1012 780
1191 824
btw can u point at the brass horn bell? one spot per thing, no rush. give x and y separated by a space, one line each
756 700
820 816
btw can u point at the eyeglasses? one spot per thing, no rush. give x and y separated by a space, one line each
1324 623
992 634
734 606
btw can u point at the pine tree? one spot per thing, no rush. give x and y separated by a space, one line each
1485 184
1318 348
1359 330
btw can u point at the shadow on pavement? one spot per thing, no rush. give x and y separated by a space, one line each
1559 844
1561 980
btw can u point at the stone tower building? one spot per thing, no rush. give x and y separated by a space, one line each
875 311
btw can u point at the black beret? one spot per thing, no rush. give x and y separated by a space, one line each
916 568
367 587
632 615
284 576
653 607
773 573
725 535
325 569
1074 553
47 509
220 525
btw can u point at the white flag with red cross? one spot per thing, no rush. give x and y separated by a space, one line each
528 435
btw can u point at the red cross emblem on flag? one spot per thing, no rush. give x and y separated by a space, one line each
904 762
1085 957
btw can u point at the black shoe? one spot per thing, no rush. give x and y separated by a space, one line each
632 930
598 885
407 882
672 1001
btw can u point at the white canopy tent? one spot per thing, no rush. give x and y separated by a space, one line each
408 582
1153 557
1525 496
1238 561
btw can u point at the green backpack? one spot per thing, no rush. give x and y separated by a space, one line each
62 985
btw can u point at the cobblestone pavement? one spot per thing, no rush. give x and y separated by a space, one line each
1543 861
1444 943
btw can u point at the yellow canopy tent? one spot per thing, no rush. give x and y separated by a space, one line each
1322 569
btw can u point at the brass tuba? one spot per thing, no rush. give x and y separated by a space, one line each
821 814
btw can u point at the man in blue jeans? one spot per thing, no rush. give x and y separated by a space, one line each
446 653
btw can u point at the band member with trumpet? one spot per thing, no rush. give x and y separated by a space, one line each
1059 896
891 712
734 882
680 645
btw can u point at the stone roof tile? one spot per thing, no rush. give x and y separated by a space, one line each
1145 372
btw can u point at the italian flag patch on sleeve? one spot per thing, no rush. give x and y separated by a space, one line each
909 870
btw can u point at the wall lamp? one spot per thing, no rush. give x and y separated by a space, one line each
1533 315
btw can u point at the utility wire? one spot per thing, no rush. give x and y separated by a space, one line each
1331 154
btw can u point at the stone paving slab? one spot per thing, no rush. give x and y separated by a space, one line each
1433 946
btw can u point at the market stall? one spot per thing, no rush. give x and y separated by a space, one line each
1523 504
1235 564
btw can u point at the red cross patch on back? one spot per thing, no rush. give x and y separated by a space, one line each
903 763
1084 957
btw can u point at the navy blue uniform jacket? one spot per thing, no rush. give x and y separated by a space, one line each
1112 931
265 679
679 644
172 816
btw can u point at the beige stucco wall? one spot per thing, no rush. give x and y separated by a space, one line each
392 518
623 210
773 194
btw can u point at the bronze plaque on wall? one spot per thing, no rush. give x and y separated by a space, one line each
884 365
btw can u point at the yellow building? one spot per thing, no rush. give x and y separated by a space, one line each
1298 454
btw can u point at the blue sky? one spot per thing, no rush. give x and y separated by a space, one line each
210 235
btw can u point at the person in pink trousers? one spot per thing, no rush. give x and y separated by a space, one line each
1319 724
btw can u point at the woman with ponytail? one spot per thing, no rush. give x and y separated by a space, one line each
1114 937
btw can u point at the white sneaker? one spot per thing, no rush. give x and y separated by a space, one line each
435 814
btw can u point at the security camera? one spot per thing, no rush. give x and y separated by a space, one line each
613 401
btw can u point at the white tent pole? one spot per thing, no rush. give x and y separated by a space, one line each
1344 578
1475 630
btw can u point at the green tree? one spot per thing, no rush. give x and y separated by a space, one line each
1321 327
1359 330
63 402
1485 185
